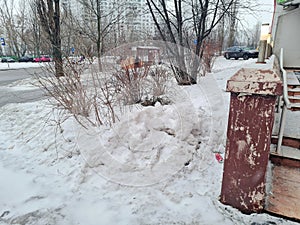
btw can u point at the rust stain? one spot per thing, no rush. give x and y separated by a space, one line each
256 82
247 150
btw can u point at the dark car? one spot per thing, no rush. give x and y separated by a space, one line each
26 58
8 59
237 52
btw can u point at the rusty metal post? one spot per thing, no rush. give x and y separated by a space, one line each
251 117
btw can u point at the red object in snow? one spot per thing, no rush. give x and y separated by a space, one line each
219 157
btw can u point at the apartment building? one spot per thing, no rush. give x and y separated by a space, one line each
130 17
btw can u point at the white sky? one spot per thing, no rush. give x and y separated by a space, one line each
262 14
265 16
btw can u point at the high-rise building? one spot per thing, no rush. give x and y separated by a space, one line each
128 16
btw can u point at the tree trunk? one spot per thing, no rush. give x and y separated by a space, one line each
56 43
50 19
221 35
99 39
179 68
232 29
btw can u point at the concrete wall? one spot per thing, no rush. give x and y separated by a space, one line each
286 33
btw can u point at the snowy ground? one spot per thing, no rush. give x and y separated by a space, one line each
155 166
17 65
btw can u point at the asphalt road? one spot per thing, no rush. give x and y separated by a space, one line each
12 95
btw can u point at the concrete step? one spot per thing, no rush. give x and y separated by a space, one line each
294 99
286 152
293 86
295 107
297 89
294 91
292 79
287 141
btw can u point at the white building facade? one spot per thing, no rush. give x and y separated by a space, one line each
129 17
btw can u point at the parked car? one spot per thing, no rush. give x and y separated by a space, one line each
7 59
43 58
26 58
237 52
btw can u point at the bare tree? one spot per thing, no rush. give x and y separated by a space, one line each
232 23
21 28
49 15
238 9
73 33
221 35
98 23
34 37
255 35
22 23
10 26
175 19
67 29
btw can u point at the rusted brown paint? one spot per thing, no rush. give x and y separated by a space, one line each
255 81
247 151
249 133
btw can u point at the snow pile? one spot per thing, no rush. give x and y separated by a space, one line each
149 144
154 166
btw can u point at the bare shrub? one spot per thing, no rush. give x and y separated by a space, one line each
88 98
68 90
91 95
104 98
159 77
209 56
131 83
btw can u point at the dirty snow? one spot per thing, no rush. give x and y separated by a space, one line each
155 166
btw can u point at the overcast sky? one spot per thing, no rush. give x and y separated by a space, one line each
267 11
262 14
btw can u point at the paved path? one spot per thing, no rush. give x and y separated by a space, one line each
14 95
